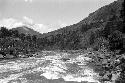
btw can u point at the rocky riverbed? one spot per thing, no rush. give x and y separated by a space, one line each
48 67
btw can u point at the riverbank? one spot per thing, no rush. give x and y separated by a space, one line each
75 66
109 65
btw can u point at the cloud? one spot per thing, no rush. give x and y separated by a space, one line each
62 24
42 28
37 27
27 20
17 24
10 23
28 1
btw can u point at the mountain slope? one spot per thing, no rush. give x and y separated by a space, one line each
101 15
104 12
97 26
26 30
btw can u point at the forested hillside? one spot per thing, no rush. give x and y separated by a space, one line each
102 28
13 43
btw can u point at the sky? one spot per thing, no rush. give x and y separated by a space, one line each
47 15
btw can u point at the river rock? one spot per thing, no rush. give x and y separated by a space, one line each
8 56
1 56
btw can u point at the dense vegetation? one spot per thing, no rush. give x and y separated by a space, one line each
103 28
13 44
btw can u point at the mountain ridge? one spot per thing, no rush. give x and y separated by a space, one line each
92 19
99 24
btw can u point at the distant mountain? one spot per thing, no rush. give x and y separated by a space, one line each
99 25
26 30
23 26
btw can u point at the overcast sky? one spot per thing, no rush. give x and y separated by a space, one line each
51 14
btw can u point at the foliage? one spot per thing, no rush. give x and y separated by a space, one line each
100 26
13 43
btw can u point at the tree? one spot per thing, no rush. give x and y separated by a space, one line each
122 11
116 40
28 37
4 32
22 36
14 33
34 38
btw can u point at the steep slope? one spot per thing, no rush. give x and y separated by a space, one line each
97 26
101 15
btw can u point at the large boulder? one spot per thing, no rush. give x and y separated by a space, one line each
8 56
107 76
1 56
115 77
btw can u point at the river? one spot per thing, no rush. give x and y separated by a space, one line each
48 67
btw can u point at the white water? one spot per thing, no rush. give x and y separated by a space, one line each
51 67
